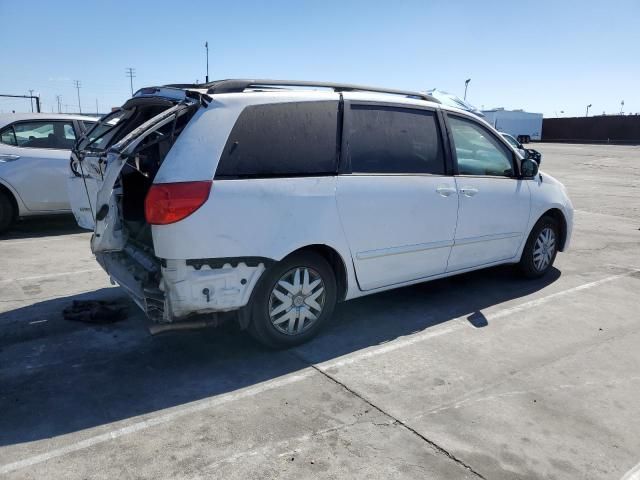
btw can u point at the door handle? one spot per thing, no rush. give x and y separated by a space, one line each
468 191
445 191
4 157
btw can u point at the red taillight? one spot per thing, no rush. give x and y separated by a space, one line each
170 202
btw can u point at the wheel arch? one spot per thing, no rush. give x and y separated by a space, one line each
559 217
12 199
334 259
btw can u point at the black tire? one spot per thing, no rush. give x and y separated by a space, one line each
7 212
261 327
528 265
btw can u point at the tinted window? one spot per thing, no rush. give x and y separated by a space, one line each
45 134
394 140
8 136
478 152
282 139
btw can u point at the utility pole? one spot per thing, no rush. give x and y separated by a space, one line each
622 107
59 100
466 84
97 107
588 107
76 83
131 73
206 46
31 99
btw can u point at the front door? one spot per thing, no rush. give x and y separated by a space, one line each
397 207
494 204
40 153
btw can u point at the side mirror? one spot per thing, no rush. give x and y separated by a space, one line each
534 155
529 168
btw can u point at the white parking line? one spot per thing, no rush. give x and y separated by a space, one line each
633 474
50 275
461 322
174 414
201 405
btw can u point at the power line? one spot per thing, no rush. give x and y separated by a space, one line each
131 73
76 84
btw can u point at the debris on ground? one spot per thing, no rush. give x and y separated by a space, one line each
96 311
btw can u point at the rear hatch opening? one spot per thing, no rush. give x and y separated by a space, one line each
114 166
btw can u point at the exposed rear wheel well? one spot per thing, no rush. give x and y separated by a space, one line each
11 198
336 262
558 216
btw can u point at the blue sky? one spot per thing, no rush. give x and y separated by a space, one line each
543 56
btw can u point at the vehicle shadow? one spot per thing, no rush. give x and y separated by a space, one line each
41 226
58 377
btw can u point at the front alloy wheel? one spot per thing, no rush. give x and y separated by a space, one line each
541 248
544 249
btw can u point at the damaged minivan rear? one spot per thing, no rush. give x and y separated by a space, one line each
185 236
113 193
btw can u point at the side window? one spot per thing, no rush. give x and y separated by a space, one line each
69 134
47 134
282 139
477 151
8 136
394 140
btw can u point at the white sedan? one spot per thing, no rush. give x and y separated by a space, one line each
34 163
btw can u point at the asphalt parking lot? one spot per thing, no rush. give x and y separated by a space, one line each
484 375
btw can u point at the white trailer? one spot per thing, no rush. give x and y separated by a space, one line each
524 126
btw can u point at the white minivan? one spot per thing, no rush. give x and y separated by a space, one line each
277 199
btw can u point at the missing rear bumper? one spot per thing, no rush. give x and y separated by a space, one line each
171 291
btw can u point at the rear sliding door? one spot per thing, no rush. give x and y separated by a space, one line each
397 205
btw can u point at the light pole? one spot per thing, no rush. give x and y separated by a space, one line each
621 107
76 83
466 84
588 107
31 99
131 73
206 46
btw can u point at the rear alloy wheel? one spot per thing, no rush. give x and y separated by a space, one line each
7 212
541 248
293 300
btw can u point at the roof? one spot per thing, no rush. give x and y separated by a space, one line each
240 85
6 118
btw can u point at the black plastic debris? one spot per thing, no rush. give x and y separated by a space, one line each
96 311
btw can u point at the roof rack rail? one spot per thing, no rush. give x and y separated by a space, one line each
240 85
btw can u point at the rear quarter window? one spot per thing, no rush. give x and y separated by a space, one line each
283 139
